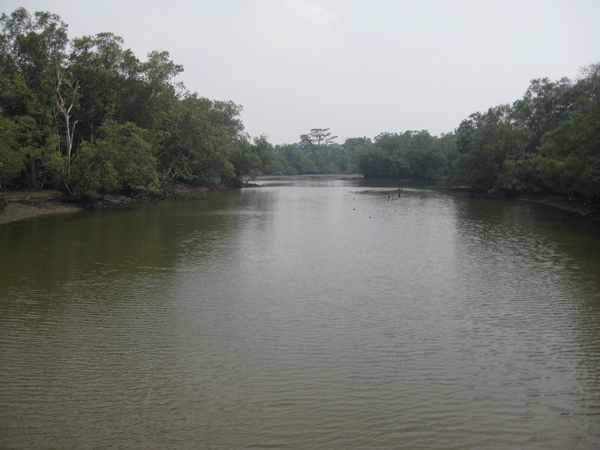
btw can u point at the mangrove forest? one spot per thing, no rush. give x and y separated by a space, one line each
88 117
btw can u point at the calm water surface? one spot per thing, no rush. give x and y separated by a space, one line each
306 313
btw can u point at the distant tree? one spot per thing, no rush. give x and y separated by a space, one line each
352 145
543 107
569 160
245 159
411 155
569 155
588 89
492 151
327 155
446 146
316 140
372 162
294 161
266 152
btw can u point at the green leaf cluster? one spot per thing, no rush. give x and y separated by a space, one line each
549 141
89 117
121 159
407 155
317 152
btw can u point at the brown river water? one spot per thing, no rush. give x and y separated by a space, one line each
314 313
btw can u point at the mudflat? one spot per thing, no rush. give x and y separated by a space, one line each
19 205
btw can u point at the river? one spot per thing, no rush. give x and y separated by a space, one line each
305 313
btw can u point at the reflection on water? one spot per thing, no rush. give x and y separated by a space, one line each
302 314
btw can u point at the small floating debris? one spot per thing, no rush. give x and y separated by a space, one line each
382 191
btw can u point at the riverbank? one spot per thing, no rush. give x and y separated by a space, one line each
20 205
580 207
311 175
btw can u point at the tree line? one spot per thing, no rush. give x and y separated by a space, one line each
547 141
88 117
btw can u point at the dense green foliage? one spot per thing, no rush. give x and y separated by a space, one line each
315 153
409 155
548 141
89 117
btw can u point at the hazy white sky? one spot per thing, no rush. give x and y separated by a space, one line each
358 67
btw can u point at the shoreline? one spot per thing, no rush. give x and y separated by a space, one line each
582 208
310 175
23 205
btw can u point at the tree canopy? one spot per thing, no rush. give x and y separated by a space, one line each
89 117
549 141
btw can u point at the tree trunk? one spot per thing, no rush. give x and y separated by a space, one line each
65 110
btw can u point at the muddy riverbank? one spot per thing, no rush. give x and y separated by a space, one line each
20 205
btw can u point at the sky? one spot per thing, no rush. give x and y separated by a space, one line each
357 67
